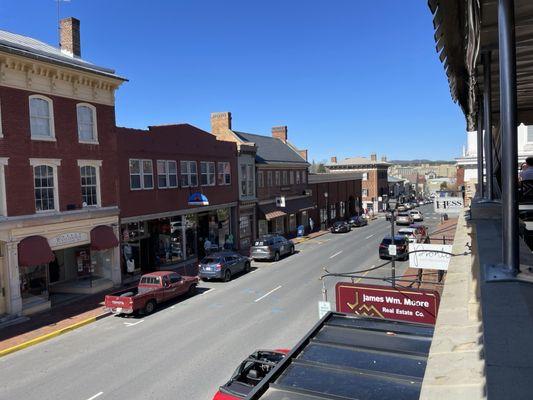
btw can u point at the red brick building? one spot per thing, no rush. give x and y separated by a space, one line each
375 184
58 177
336 196
160 169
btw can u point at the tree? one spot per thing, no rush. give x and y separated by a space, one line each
321 169
443 186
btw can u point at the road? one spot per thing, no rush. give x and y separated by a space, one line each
187 349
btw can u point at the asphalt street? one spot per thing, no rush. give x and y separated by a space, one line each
190 347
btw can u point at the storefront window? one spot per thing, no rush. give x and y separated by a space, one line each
134 238
245 231
191 223
262 227
34 281
279 225
292 222
166 239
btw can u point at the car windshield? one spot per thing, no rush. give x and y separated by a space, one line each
211 260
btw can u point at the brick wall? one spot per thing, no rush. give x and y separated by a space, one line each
266 192
173 142
19 148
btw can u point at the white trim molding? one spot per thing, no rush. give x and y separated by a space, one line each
3 191
95 123
53 162
97 164
51 122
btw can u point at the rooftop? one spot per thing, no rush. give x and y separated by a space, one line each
357 161
28 47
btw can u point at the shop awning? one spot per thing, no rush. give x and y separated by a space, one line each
34 250
291 207
103 238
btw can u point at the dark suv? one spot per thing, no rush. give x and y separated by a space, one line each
271 247
341 226
402 247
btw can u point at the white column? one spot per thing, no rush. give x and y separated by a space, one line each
14 300
116 273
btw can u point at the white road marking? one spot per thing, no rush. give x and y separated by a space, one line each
265 295
207 291
336 254
368 237
96 395
130 324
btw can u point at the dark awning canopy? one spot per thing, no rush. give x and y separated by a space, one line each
271 211
103 238
34 250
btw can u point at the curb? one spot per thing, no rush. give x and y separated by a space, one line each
51 335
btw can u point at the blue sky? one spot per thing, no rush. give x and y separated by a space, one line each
348 77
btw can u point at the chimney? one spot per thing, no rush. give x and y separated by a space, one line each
280 132
384 158
69 39
334 160
220 122
373 157
303 154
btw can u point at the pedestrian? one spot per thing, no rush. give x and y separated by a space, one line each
526 174
311 224
207 246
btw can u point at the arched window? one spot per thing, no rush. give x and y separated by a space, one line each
41 118
87 132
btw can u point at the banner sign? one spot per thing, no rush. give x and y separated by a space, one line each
430 256
413 305
450 205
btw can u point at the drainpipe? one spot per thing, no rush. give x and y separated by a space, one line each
487 114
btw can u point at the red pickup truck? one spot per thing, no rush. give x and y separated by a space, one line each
153 288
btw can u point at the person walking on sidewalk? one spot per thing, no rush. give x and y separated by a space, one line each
311 224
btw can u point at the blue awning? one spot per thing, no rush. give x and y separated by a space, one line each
198 199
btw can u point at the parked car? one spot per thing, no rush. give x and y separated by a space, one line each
421 202
402 247
271 247
249 373
153 289
404 218
222 265
357 221
341 227
416 215
407 206
401 208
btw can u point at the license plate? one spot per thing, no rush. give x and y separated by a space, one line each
207 268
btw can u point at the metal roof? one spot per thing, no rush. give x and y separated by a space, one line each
272 150
28 47
334 177
464 29
357 161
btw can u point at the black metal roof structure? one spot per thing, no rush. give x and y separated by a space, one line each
352 357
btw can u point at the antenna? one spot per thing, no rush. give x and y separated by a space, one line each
59 19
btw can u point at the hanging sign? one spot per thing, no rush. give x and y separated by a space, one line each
198 199
430 256
413 305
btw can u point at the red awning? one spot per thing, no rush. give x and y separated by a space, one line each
34 250
103 238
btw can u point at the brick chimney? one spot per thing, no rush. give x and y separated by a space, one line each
280 132
303 154
373 157
220 122
384 158
69 38
334 160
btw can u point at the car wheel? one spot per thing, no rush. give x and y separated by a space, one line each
204 279
227 276
292 250
276 256
149 307
247 267
192 291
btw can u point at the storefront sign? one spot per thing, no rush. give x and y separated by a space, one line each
198 199
68 238
448 204
413 305
430 256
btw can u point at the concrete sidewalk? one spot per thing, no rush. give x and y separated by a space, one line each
312 235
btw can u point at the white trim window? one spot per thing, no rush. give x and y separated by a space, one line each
45 184
87 131
260 179
3 192
297 177
207 173
189 174
365 192
365 176
291 177
167 174
529 134
141 174
90 182
269 179
285 178
224 173
41 118
278 178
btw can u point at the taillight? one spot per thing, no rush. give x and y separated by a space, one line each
218 267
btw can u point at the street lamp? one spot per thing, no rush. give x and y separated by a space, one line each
327 209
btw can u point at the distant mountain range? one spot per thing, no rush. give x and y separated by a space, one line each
418 162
